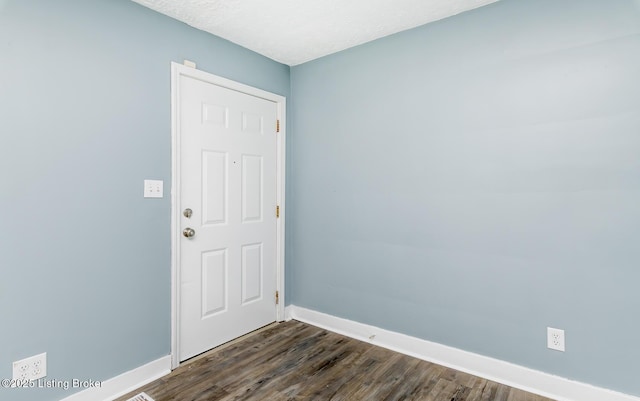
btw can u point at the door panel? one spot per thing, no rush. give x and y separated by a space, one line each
251 188
214 279
251 273
214 188
228 179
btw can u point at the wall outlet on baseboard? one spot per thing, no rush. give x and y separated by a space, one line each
555 339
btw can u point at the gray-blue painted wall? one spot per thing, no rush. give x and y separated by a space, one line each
468 182
84 119
475 180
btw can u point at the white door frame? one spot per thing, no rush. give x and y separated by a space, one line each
178 70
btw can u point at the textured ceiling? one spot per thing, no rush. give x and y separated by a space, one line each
295 31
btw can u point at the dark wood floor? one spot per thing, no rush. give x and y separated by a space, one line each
294 361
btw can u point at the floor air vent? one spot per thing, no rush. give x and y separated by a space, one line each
141 397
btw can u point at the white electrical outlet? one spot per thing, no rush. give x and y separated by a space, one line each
32 368
555 339
153 188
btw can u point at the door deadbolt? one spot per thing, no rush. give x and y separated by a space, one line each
187 213
188 232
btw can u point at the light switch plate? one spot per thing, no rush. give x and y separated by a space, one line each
153 188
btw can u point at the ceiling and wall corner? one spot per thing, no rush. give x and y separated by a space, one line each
296 31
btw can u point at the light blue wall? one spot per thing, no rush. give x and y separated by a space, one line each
476 180
469 182
84 119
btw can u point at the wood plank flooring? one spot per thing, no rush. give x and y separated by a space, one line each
294 361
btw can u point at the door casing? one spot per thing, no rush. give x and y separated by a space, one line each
178 70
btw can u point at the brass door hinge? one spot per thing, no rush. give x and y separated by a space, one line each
277 212
277 125
277 297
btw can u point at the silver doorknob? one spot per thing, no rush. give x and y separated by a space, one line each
187 213
188 232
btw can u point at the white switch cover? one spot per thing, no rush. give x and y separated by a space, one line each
153 188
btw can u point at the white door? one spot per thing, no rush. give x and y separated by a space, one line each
228 181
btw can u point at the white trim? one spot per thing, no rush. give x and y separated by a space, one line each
178 70
533 381
122 384
175 206
289 311
280 199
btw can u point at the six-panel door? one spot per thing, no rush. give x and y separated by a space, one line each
228 180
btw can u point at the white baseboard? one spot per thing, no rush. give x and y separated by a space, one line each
122 384
533 381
